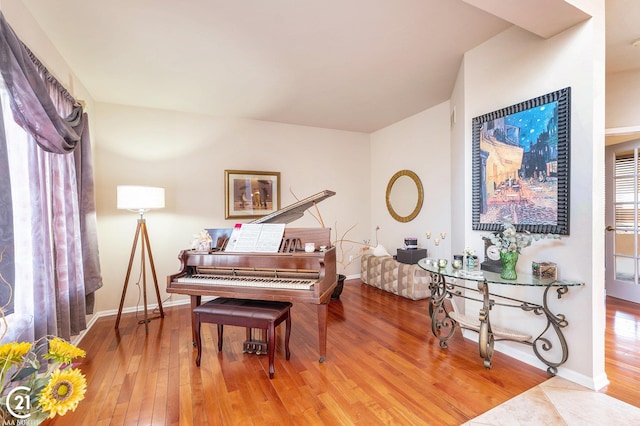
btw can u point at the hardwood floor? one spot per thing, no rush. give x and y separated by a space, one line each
383 367
622 351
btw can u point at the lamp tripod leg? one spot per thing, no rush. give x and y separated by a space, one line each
141 230
143 268
145 236
126 280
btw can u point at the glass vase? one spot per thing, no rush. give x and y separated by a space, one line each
471 263
508 261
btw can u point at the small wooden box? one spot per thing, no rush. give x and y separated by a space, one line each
545 270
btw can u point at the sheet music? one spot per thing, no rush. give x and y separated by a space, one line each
256 237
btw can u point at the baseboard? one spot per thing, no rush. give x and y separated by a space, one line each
510 349
113 312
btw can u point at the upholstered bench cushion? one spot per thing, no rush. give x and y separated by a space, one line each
245 313
386 273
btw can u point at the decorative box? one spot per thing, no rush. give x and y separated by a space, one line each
410 243
411 256
546 270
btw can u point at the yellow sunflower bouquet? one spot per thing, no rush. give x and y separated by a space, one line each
38 380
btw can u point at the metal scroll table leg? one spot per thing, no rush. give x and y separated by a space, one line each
486 339
555 321
442 326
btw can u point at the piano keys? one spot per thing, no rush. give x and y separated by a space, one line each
250 277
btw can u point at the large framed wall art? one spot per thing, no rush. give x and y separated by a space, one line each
249 195
521 166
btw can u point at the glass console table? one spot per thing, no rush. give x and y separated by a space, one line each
447 282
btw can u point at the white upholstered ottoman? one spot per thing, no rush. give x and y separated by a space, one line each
385 273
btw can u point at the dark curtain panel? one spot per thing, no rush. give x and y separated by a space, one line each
90 258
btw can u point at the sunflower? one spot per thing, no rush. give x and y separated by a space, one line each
14 352
63 351
64 392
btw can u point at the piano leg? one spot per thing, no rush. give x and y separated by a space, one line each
195 302
323 310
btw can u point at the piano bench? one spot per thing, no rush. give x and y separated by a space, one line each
247 313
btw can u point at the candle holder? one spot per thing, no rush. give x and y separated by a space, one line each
436 241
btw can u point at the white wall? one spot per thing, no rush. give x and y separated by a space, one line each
515 66
421 144
622 107
187 155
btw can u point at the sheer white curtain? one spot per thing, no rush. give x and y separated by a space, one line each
21 322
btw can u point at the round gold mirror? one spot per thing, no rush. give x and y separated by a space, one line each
404 196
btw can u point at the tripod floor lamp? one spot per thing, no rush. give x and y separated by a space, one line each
141 199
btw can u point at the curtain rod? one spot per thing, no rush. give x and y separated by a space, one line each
50 78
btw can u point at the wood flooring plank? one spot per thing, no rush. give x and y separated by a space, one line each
160 397
147 401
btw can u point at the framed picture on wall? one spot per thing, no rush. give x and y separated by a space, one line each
520 166
250 195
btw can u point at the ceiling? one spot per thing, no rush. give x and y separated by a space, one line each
355 65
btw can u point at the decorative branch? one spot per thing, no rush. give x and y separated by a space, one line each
338 243
342 256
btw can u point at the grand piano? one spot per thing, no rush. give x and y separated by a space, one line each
290 275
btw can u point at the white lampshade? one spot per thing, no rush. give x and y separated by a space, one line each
139 198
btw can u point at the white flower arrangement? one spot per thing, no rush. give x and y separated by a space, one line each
468 251
202 241
509 240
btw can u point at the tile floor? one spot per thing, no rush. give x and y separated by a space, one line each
560 402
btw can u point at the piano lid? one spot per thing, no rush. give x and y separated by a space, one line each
295 210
